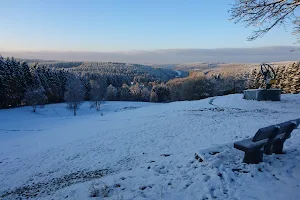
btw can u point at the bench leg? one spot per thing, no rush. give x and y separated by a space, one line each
277 147
254 157
268 149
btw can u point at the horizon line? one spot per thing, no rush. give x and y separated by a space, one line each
143 50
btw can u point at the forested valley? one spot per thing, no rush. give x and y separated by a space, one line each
37 82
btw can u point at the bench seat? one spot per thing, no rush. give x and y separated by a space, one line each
249 146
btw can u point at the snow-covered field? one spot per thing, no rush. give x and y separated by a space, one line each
132 150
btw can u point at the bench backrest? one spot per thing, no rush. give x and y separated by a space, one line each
269 131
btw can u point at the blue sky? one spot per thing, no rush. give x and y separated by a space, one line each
121 25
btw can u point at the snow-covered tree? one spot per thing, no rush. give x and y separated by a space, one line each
124 93
145 94
28 79
136 92
35 96
111 93
74 94
162 94
97 94
153 97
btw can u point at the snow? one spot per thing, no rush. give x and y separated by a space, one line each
135 150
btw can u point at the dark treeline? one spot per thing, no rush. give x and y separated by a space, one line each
51 63
24 84
16 78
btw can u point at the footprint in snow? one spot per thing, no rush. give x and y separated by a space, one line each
206 178
214 153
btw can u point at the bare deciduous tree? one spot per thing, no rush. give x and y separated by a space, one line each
146 93
74 94
124 93
153 97
265 14
35 96
296 31
98 90
160 93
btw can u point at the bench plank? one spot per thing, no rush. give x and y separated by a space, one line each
264 133
248 145
268 131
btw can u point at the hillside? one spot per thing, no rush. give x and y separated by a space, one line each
117 69
223 67
197 66
49 80
146 151
125 70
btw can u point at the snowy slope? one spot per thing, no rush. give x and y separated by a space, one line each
146 151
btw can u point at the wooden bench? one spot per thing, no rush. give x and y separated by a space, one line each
267 140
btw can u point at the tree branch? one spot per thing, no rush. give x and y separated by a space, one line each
264 13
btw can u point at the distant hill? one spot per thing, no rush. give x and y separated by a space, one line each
123 71
174 56
197 66
132 71
226 68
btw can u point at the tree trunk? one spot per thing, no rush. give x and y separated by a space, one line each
97 105
74 111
